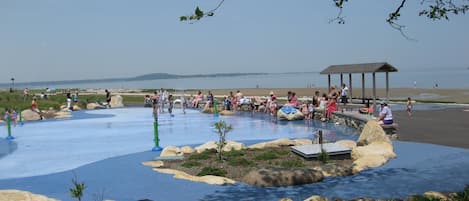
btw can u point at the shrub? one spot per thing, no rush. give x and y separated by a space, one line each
221 128
200 156
212 171
190 164
463 195
323 156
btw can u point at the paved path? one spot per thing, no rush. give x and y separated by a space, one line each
448 127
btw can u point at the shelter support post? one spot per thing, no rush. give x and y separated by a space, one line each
341 79
374 91
329 83
363 88
387 85
350 86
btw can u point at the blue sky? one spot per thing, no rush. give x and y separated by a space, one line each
79 39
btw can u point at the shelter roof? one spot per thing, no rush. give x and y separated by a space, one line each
359 68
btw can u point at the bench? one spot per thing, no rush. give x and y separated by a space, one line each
358 121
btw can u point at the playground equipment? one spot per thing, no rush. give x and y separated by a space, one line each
9 137
155 134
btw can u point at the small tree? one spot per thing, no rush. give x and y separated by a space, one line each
77 190
221 128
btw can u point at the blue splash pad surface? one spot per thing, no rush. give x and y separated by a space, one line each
104 153
52 146
418 168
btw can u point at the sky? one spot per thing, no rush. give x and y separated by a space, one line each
46 40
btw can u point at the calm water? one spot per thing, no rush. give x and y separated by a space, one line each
447 78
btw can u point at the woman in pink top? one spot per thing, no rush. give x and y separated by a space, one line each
331 107
294 100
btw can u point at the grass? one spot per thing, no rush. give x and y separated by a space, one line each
212 171
235 153
241 162
16 100
268 155
292 164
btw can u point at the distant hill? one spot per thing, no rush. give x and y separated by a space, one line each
156 76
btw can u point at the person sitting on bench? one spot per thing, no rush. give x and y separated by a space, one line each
385 116
366 110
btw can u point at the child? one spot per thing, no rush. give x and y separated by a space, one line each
171 104
14 117
409 107
183 104
305 110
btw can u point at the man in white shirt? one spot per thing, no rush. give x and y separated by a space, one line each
343 93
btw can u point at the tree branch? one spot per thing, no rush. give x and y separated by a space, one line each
339 19
199 14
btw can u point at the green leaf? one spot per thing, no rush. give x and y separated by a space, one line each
183 18
199 13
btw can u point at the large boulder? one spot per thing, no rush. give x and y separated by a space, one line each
207 146
63 115
289 113
187 150
17 195
29 115
76 107
116 101
282 177
231 145
377 148
209 179
93 106
316 198
366 162
171 151
347 143
372 132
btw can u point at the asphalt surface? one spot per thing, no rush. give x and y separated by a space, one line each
448 127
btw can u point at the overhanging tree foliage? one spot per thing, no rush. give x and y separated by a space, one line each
432 9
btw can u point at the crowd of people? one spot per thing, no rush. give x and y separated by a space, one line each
325 103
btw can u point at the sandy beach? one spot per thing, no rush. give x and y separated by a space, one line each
460 96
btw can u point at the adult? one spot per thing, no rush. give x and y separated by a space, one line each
69 103
25 94
238 97
343 94
108 98
316 99
385 115
333 93
331 106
